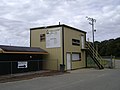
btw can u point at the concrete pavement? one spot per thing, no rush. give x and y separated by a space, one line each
82 79
117 64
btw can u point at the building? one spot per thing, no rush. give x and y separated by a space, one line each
65 46
14 59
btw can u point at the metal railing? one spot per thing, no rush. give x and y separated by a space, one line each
95 56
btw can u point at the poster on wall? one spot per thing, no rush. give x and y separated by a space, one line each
53 38
22 64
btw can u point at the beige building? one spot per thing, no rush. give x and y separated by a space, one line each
65 46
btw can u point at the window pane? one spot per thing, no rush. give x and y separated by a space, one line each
76 56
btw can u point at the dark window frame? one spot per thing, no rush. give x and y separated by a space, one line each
42 37
76 42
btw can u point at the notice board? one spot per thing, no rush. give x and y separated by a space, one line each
22 64
53 38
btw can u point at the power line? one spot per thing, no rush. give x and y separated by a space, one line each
92 21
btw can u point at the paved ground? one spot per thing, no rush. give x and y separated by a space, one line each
83 79
117 64
29 75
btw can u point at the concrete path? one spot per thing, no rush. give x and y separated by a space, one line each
117 64
83 79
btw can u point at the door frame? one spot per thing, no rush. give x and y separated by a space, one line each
70 61
82 41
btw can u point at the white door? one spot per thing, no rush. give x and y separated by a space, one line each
83 42
68 61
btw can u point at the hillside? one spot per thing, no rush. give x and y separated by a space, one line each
109 47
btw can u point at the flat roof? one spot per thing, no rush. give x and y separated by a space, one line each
21 50
62 25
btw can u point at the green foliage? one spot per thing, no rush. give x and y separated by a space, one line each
109 47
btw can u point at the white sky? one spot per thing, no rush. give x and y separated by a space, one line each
17 16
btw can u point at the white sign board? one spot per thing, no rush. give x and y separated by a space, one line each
76 56
53 38
22 64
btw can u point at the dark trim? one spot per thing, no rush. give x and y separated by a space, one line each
63 44
30 38
25 52
19 49
76 42
62 25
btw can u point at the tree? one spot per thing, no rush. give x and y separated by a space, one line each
109 47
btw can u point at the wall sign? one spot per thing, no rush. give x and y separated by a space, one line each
23 64
53 38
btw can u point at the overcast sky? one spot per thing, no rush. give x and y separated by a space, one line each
17 16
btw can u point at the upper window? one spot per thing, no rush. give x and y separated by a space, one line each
76 42
42 37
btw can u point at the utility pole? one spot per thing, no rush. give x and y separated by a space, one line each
92 21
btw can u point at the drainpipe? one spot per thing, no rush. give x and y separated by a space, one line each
62 66
63 44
